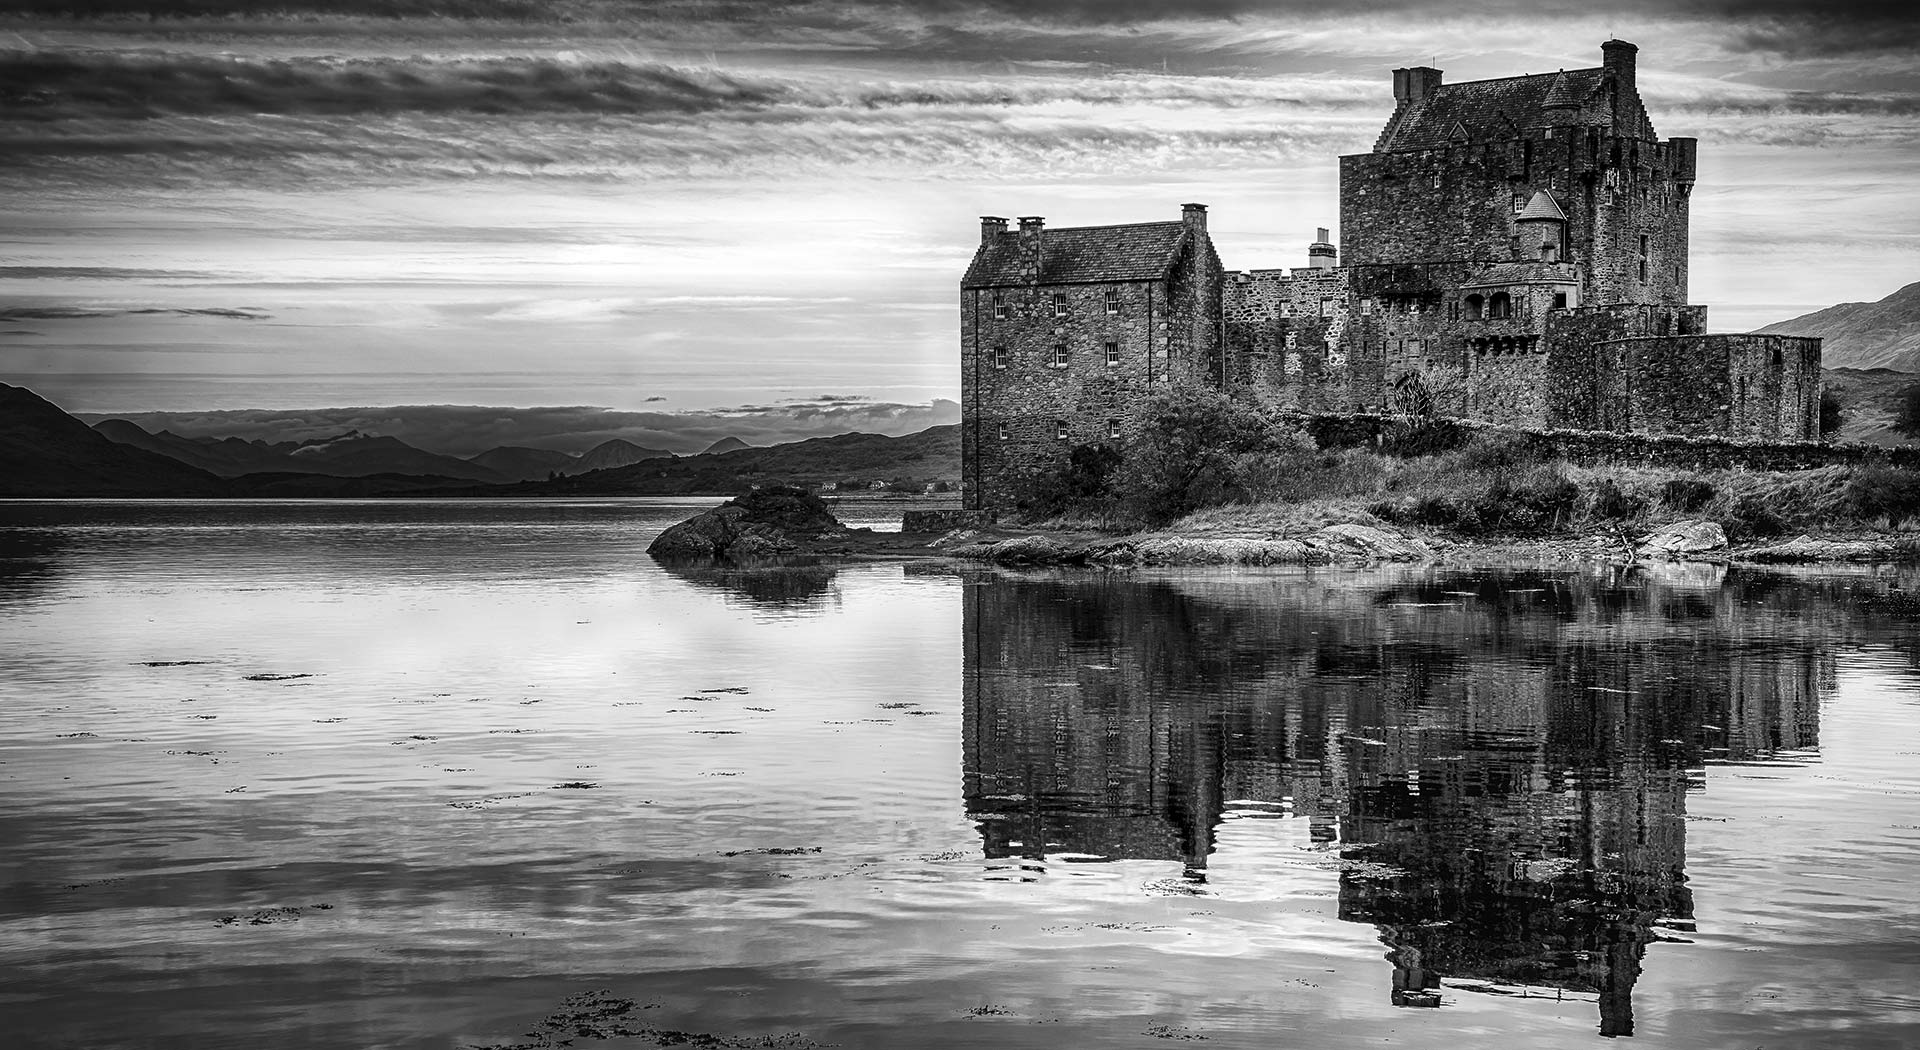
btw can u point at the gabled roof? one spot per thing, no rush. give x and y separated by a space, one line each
1489 110
1143 251
1542 206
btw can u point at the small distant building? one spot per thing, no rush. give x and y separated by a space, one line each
1512 250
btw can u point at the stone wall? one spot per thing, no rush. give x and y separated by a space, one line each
1586 383
1360 430
1757 387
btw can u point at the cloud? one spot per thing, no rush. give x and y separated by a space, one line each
465 430
100 273
75 313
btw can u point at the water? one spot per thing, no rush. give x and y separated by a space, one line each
416 774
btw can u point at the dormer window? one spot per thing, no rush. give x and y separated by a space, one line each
1113 300
1059 304
999 306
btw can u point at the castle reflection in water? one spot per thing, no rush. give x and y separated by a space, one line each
1502 762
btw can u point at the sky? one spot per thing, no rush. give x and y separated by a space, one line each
760 210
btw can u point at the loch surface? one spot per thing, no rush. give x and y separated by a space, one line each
482 774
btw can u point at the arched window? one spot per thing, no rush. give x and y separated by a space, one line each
1475 307
1500 307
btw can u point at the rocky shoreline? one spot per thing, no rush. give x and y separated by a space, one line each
785 524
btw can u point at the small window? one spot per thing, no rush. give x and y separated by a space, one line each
1059 304
1003 431
1060 356
999 357
1113 425
1643 271
1113 354
1286 309
1366 307
1559 300
1326 307
1113 300
1643 244
1474 307
1000 306
1060 429
1519 203
1499 307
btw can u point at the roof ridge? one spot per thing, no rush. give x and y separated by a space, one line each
1524 76
1108 226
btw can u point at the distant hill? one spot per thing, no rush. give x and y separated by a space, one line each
1868 402
45 452
933 454
725 444
349 455
1885 334
519 463
615 453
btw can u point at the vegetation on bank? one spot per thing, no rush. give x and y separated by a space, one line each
1204 462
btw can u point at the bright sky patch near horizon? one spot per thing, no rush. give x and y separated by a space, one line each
701 205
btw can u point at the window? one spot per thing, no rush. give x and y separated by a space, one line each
999 306
1113 354
1059 304
1286 309
1366 307
1326 307
1519 203
1113 425
1060 356
1113 300
1060 429
1643 271
1559 300
1499 307
1474 307
999 357
1003 431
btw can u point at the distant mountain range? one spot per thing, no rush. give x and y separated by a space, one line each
1885 334
46 452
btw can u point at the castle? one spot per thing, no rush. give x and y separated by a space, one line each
1512 250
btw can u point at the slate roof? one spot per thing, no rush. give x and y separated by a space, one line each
1488 110
1142 251
1542 206
1523 273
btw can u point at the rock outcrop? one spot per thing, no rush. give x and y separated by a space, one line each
1684 539
764 523
1342 543
1808 549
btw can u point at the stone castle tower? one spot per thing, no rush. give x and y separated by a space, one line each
1511 250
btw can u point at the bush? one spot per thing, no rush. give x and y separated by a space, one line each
1832 412
1687 495
1875 493
1751 516
1606 501
1544 499
1423 436
1193 451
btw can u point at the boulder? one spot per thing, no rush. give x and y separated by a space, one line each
761 524
1807 549
1683 539
1350 540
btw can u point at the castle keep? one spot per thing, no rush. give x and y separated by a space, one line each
1512 250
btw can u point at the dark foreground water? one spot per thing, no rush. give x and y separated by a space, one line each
448 775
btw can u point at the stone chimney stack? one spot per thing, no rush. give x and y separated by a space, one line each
1321 254
1412 85
991 226
1194 215
1032 243
1617 58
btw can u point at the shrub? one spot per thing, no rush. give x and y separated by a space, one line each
1191 452
1544 499
1423 436
1874 493
1687 495
1606 501
1751 516
1833 412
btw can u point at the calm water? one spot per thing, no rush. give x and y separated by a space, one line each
482 774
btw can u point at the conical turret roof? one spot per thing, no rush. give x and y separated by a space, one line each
1542 206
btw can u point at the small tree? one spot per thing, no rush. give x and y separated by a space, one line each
1188 452
1833 412
1906 414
